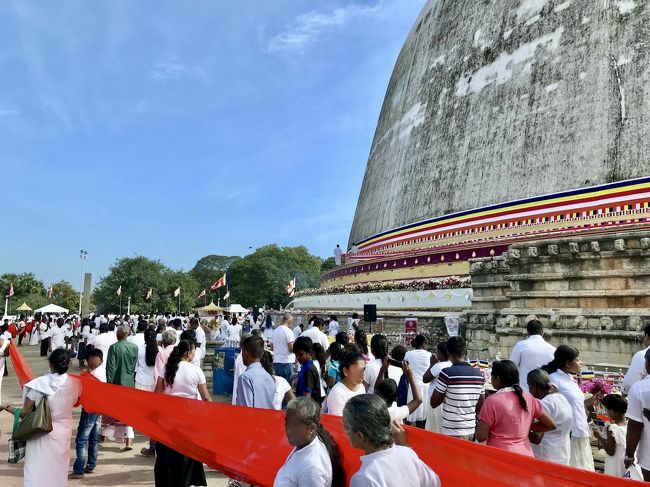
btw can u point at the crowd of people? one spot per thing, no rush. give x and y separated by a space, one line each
532 404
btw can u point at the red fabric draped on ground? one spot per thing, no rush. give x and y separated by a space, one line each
250 444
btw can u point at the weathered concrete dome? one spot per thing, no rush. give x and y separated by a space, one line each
496 100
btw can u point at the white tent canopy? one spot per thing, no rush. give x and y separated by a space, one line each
51 308
236 308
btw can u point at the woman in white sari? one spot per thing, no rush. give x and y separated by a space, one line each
47 457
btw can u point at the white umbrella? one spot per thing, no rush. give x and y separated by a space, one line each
51 308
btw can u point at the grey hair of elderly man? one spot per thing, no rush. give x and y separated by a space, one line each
123 331
287 318
168 337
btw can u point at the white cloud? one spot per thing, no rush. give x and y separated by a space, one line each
8 112
168 68
307 28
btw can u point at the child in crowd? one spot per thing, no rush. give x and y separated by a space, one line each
612 437
89 424
387 390
308 377
334 369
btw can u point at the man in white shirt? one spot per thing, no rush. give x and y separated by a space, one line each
315 333
337 255
200 335
333 328
637 371
138 338
283 357
532 353
105 339
638 426
58 335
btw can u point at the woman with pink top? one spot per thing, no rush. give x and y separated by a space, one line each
507 416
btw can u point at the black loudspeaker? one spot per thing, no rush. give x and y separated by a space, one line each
369 313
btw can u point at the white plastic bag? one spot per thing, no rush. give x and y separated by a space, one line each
633 473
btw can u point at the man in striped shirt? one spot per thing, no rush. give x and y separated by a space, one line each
461 391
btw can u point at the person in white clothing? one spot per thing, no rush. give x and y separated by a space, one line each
283 357
379 349
239 369
387 390
333 327
368 426
138 338
104 340
200 336
532 353
566 361
58 335
315 333
181 379
4 345
351 384
638 424
612 437
313 461
338 252
637 371
283 391
552 446
420 361
434 416
47 456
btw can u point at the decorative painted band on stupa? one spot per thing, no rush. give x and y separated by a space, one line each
442 246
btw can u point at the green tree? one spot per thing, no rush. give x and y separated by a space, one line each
210 268
65 295
24 284
136 276
261 278
328 264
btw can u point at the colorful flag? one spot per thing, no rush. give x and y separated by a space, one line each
177 292
227 295
291 287
220 283
202 294
11 290
49 292
149 294
119 291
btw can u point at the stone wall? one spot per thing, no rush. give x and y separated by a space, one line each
593 293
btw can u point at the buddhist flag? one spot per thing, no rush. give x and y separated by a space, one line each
49 292
220 283
227 295
11 291
149 294
177 292
119 291
291 287
202 294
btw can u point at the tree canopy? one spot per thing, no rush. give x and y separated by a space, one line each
210 268
261 278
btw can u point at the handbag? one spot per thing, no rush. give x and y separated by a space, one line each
38 421
16 447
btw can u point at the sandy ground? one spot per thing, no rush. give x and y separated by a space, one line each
113 468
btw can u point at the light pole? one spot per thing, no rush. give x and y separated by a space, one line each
82 256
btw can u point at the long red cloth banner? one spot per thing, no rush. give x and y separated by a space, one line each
250 444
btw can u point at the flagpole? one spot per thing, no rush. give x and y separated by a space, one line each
120 302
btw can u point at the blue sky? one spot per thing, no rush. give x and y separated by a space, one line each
178 129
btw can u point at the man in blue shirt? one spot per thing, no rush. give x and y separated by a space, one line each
256 387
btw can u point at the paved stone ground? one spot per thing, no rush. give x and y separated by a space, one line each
113 468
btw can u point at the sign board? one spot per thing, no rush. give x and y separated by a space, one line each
410 330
